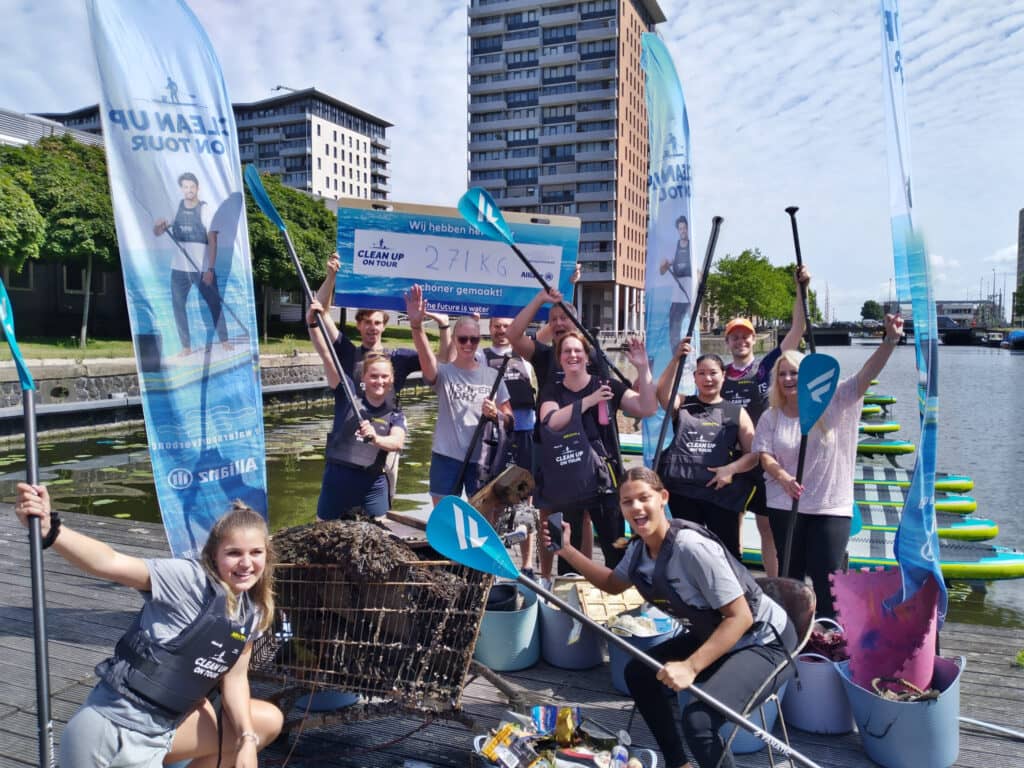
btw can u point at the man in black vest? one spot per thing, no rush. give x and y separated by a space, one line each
194 261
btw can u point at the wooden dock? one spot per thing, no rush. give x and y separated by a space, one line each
86 616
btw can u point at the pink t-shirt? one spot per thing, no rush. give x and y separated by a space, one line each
831 453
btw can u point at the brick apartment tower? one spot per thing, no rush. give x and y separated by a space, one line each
557 124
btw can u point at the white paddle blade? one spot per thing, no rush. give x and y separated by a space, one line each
461 533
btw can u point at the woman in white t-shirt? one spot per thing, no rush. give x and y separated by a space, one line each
193 635
822 526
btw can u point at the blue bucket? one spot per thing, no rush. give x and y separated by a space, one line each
618 657
510 640
910 734
326 701
745 742
556 628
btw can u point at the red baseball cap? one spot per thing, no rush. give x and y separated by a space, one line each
738 323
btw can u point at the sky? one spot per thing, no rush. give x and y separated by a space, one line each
784 98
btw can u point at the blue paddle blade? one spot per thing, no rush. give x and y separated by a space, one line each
260 196
479 209
857 523
462 534
7 322
819 375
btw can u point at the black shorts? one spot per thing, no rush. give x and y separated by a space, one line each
758 503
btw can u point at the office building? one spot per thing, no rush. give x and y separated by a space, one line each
557 124
313 141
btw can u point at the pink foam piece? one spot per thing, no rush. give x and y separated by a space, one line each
898 643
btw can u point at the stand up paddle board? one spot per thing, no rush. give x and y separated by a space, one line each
894 496
873 398
870 410
872 447
876 474
964 560
950 525
878 427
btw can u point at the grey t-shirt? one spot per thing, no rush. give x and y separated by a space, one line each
175 600
704 579
460 396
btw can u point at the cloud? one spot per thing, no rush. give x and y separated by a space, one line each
1006 255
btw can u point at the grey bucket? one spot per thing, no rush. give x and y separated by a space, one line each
910 734
510 640
555 631
618 657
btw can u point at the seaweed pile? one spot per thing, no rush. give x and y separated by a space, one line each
366 615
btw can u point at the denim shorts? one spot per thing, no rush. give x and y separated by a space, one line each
444 471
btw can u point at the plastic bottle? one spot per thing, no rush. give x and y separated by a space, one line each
620 756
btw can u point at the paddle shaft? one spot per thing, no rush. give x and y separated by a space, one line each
716 225
39 636
654 664
794 510
321 322
809 330
479 431
570 314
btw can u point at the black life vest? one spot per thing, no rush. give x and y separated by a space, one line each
172 677
517 379
343 447
706 435
749 391
662 592
188 224
574 468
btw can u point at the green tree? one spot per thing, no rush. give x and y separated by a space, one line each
22 228
872 310
312 228
786 273
749 285
67 182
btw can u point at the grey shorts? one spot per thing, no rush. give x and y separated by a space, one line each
92 741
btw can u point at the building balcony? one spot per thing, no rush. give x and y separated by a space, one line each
380 185
494 7
519 198
603 154
550 99
480 146
598 94
507 162
247 152
556 59
597 237
491 86
477 29
597 70
607 134
512 122
487 106
602 30
291 148
521 43
595 197
256 122
595 114
380 141
570 16
488 67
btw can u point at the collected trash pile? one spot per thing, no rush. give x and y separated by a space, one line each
358 611
556 737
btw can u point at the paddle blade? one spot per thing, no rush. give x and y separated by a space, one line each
819 375
261 198
462 534
857 523
7 322
479 209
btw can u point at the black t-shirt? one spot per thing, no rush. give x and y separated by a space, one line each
605 433
546 366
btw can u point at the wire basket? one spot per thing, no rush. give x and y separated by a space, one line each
406 639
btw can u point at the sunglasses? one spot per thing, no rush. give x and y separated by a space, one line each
474 340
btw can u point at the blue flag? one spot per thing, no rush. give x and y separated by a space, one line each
670 282
176 184
7 322
917 540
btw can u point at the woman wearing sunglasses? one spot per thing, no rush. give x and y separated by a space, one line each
463 389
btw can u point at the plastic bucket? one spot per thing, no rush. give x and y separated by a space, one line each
618 657
555 632
815 700
326 701
745 742
509 640
910 734
502 597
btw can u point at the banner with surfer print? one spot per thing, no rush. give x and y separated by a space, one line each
175 180
669 280
917 540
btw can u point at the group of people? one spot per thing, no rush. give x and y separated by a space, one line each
734 447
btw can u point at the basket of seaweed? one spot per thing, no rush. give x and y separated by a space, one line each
358 611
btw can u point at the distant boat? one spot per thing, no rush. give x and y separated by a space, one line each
1014 340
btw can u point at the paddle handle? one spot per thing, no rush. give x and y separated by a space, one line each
716 226
479 431
654 664
794 510
808 328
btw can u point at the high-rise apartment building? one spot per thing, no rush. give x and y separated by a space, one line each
558 124
313 141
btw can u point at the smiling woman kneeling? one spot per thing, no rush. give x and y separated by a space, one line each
738 635
193 634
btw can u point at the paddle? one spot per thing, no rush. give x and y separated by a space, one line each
35 540
262 200
479 209
716 225
460 533
791 210
480 427
816 383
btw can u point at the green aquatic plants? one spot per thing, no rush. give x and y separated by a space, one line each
1019 660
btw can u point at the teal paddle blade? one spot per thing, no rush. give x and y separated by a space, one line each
819 375
7 322
857 523
479 209
461 533
261 198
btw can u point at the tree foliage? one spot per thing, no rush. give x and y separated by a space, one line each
22 228
749 285
312 229
872 310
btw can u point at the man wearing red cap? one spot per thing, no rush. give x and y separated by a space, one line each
747 380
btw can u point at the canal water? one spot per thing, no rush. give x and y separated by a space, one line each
109 473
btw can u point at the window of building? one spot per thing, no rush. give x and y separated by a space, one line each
74 280
318 129
20 281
